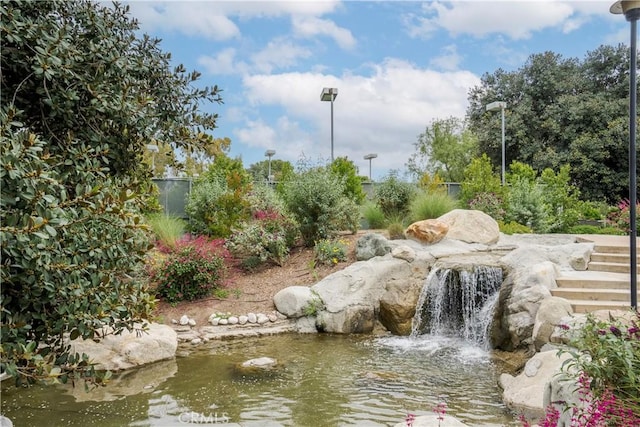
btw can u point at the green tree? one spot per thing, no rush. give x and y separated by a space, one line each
561 111
445 148
82 95
347 170
479 178
280 169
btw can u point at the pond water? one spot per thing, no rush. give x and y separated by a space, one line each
323 380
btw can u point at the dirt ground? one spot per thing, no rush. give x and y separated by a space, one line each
254 291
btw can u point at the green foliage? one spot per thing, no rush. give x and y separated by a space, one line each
608 353
561 111
620 216
518 170
314 305
346 169
445 148
66 254
218 201
316 198
430 205
560 199
594 229
432 184
167 229
513 228
592 210
280 169
330 251
489 203
374 216
396 230
526 205
393 196
479 177
194 270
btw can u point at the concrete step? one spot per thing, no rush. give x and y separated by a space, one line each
612 249
617 258
611 267
593 280
587 306
595 294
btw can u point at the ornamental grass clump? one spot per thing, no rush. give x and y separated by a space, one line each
193 270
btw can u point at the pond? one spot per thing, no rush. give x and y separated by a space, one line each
323 380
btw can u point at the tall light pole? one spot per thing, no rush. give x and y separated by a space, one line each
369 157
269 154
631 11
495 106
154 149
330 94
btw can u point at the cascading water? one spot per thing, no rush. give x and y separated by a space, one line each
458 303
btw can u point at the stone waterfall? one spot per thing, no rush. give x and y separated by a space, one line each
458 302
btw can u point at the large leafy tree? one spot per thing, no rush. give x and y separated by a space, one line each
561 112
445 148
82 95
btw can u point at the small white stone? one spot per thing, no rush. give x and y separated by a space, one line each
262 318
196 341
184 320
272 317
242 320
223 322
192 322
214 321
174 321
233 320
213 316
280 315
252 318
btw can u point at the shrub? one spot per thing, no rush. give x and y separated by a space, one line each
393 196
526 205
166 229
489 203
396 230
430 205
316 199
330 252
594 229
195 269
347 171
560 199
620 216
513 228
374 216
479 177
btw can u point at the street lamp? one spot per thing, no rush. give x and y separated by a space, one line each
154 149
330 94
631 11
495 106
369 157
269 154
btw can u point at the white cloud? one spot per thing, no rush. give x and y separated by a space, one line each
449 60
516 19
312 26
279 54
382 113
222 63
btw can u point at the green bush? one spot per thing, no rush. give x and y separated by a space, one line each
393 196
489 203
430 205
513 228
479 177
330 252
194 270
167 229
347 171
396 230
374 216
560 199
594 229
315 197
526 205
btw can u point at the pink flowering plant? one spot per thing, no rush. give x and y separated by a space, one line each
605 362
194 269
620 215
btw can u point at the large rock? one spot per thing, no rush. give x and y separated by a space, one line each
524 394
372 245
130 349
398 306
294 301
549 316
471 226
428 231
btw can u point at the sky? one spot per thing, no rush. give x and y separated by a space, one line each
397 65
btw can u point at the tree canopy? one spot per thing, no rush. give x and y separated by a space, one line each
561 112
82 95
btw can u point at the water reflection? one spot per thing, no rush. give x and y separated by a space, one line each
323 380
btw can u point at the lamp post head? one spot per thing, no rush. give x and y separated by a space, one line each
370 156
629 8
329 94
269 153
153 148
498 105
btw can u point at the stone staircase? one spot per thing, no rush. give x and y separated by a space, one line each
605 285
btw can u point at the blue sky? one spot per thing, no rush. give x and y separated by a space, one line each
397 65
